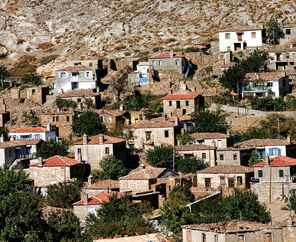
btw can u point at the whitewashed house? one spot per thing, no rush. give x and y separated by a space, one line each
141 75
75 77
32 133
275 84
239 38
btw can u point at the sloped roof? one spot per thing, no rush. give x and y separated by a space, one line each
115 113
262 142
76 68
106 184
152 124
29 130
193 147
265 76
241 28
144 174
95 140
181 118
57 161
78 93
279 161
95 200
19 142
181 96
199 136
168 55
226 169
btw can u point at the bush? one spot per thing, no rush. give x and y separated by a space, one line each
183 190
32 79
192 49
52 147
160 156
190 165
31 119
64 103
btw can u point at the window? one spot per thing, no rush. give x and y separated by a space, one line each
231 182
239 180
281 173
166 133
187 103
107 150
222 180
160 63
62 74
287 55
234 157
148 136
109 120
253 35
90 64
274 151
178 104
260 173
203 155
68 118
37 136
288 31
269 84
227 35
10 152
221 157
79 151
53 118
203 237
177 62
57 119
184 112
33 91
79 100
154 63
87 74
241 238
170 103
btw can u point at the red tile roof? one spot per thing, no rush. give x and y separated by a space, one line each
279 161
262 142
79 93
58 161
265 76
29 130
76 68
181 96
143 174
19 142
226 169
95 140
97 199
241 28
106 184
200 136
168 55
152 124
193 147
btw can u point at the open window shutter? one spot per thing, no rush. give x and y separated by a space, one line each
259 154
270 151
279 151
263 154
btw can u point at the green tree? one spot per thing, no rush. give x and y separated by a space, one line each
208 121
88 123
64 226
190 165
179 189
52 147
112 168
273 31
292 203
3 75
253 159
32 79
119 216
64 194
185 138
161 156
89 103
31 119
64 103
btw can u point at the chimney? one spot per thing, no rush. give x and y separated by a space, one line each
228 132
40 161
121 107
171 53
90 180
257 76
2 138
289 139
176 121
101 139
48 127
171 92
84 197
142 166
267 160
84 139
165 116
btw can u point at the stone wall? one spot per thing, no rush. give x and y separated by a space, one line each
186 107
210 155
37 94
81 211
134 185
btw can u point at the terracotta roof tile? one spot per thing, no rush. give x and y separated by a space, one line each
107 140
79 93
106 184
165 55
181 96
283 50
98 199
76 68
58 161
181 118
279 161
19 142
241 28
200 136
194 147
144 174
29 130
262 142
226 169
152 124
266 76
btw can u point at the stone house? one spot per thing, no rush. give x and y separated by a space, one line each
201 152
263 84
75 77
236 231
182 104
141 75
233 156
92 150
270 147
184 121
62 121
18 151
224 177
240 38
154 133
282 59
32 133
106 186
37 94
4 114
111 118
218 140
168 61
273 178
56 169
290 33
137 116
80 96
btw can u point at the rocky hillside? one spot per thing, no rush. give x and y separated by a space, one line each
39 31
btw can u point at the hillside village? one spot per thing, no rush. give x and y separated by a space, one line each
187 144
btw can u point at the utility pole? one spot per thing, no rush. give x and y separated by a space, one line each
278 128
174 154
270 170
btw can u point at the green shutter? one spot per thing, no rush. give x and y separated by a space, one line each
281 173
260 173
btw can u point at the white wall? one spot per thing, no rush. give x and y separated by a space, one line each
282 150
44 136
